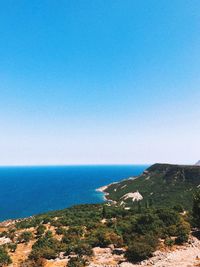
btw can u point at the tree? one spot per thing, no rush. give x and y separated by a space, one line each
80 248
12 247
183 230
40 230
139 206
169 242
60 231
48 234
178 208
11 233
104 212
76 262
47 248
196 209
32 263
103 237
148 222
25 237
4 257
141 247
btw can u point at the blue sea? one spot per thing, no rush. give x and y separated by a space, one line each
25 191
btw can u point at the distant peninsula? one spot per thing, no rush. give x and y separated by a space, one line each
159 185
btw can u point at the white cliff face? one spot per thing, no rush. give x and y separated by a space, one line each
198 163
136 196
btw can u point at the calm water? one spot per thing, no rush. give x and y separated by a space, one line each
25 191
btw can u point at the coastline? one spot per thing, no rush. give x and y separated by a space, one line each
53 196
102 190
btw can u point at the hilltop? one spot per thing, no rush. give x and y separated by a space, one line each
160 185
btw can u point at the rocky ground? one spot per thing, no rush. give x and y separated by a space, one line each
179 256
184 256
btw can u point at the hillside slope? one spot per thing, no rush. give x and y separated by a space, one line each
112 235
161 184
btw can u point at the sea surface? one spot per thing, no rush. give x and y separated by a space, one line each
25 191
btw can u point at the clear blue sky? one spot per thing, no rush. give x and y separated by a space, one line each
104 81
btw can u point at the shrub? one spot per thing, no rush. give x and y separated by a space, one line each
46 219
70 238
3 234
178 208
40 230
170 230
80 248
45 252
4 257
76 262
28 223
169 242
11 233
76 230
103 237
60 231
183 231
47 248
25 237
168 217
148 222
12 247
196 209
83 249
48 234
141 248
32 263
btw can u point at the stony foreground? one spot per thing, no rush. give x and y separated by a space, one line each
182 256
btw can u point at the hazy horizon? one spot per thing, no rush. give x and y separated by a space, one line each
93 164
74 165
99 82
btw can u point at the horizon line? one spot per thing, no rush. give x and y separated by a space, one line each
68 165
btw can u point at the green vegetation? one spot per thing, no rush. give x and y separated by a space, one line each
40 230
31 263
12 247
25 237
81 228
138 230
169 242
46 247
76 262
161 185
141 247
4 257
196 209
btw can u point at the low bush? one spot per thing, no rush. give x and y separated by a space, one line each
169 242
76 262
12 247
4 257
25 237
141 247
183 231
40 230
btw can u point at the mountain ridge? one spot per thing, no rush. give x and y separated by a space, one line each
162 183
